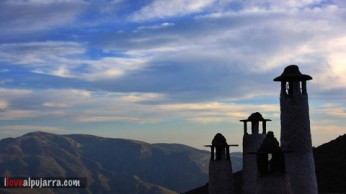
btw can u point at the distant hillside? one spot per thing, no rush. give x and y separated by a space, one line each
237 161
330 160
110 165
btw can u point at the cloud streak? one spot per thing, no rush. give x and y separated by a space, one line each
87 106
23 16
163 9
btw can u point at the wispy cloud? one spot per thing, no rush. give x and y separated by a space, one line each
163 9
87 106
67 59
215 112
114 119
3 104
39 53
31 128
23 16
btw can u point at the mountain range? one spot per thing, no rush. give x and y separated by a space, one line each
110 165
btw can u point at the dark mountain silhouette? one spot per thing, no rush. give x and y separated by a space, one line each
110 165
330 161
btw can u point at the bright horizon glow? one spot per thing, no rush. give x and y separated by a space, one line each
167 72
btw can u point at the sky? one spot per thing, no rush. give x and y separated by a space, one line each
167 71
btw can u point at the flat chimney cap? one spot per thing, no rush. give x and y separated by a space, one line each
292 73
256 117
220 140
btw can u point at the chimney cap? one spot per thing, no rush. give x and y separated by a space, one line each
219 140
292 73
255 117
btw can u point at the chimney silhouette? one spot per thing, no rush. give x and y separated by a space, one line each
251 142
272 177
220 167
295 130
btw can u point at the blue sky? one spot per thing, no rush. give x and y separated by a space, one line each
167 71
